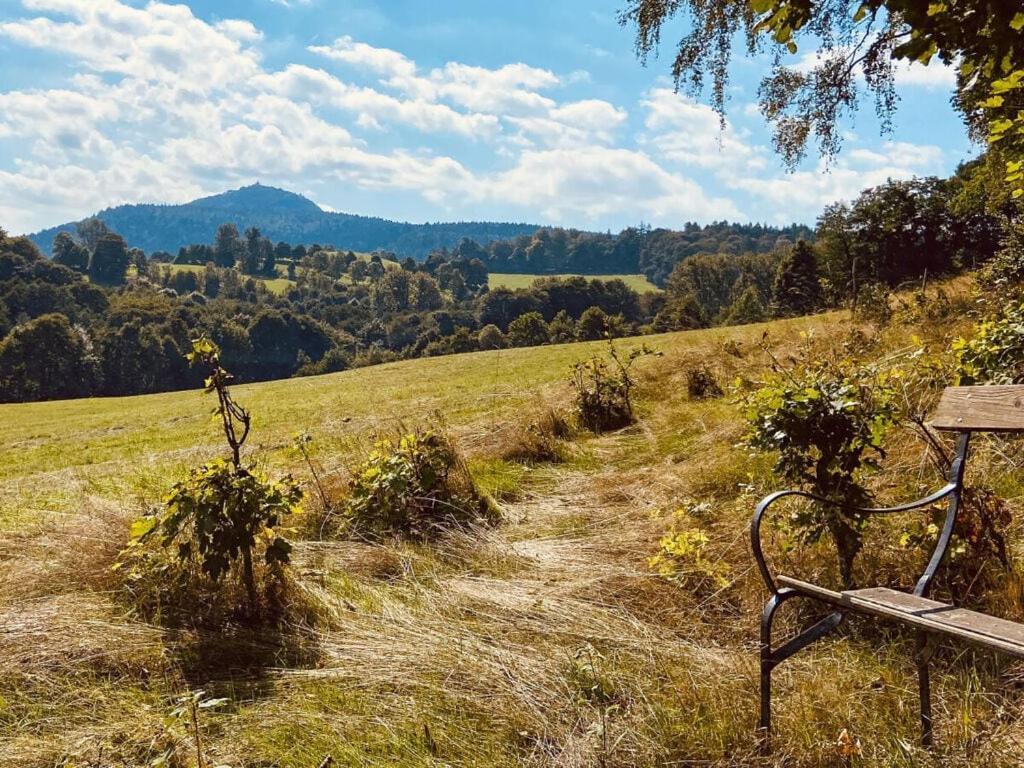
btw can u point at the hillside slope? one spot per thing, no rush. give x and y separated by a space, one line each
547 641
281 215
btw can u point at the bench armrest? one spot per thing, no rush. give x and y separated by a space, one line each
767 501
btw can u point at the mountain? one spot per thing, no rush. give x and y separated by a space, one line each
281 215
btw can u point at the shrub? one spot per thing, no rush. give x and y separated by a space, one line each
491 337
528 330
873 305
826 423
682 558
996 353
1005 272
535 440
374 354
701 383
223 513
415 487
603 390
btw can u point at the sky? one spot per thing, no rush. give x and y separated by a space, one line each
534 111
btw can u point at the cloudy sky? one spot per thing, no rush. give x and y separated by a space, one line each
534 110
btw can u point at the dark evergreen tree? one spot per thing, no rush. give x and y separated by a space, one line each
109 262
797 289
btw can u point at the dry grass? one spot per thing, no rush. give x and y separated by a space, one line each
546 641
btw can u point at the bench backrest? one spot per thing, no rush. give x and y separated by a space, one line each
993 408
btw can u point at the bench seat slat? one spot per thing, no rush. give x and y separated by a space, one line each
930 615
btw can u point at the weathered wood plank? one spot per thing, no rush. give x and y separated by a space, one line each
983 409
929 615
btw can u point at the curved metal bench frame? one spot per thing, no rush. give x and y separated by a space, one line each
772 657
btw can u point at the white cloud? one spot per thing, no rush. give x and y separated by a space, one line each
935 75
800 196
383 61
693 134
596 183
164 106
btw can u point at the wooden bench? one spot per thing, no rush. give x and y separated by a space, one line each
963 410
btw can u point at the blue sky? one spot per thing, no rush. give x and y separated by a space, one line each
424 111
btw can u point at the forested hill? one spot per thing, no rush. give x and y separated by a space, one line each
281 215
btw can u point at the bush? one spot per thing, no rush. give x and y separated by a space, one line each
873 304
996 353
491 337
217 519
604 390
528 330
826 423
415 487
535 440
1005 272
682 558
701 383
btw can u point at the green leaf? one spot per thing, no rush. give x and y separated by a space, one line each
1017 23
142 527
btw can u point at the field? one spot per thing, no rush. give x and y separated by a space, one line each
545 641
276 285
638 283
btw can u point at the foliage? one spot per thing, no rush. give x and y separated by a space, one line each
224 510
995 355
491 337
1005 273
825 421
981 39
701 383
873 304
603 389
414 486
528 330
683 557
797 290
46 359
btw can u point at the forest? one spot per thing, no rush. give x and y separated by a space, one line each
116 321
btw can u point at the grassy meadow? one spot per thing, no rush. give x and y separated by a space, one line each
545 641
277 285
638 283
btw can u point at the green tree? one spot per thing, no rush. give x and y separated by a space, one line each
90 231
69 253
227 246
747 308
593 324
797 290
681 314
109 262
46 359
981 38
491 337
528 330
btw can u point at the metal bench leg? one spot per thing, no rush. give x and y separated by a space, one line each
771 658
925 651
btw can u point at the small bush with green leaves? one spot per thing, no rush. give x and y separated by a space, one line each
825 422
414 486
873 304
996 353
683 556
1005 272
603 389
701 383
215 522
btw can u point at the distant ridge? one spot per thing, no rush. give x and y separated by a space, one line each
281 215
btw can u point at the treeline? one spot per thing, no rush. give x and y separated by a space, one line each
892 235
282 216
101 318
640 250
